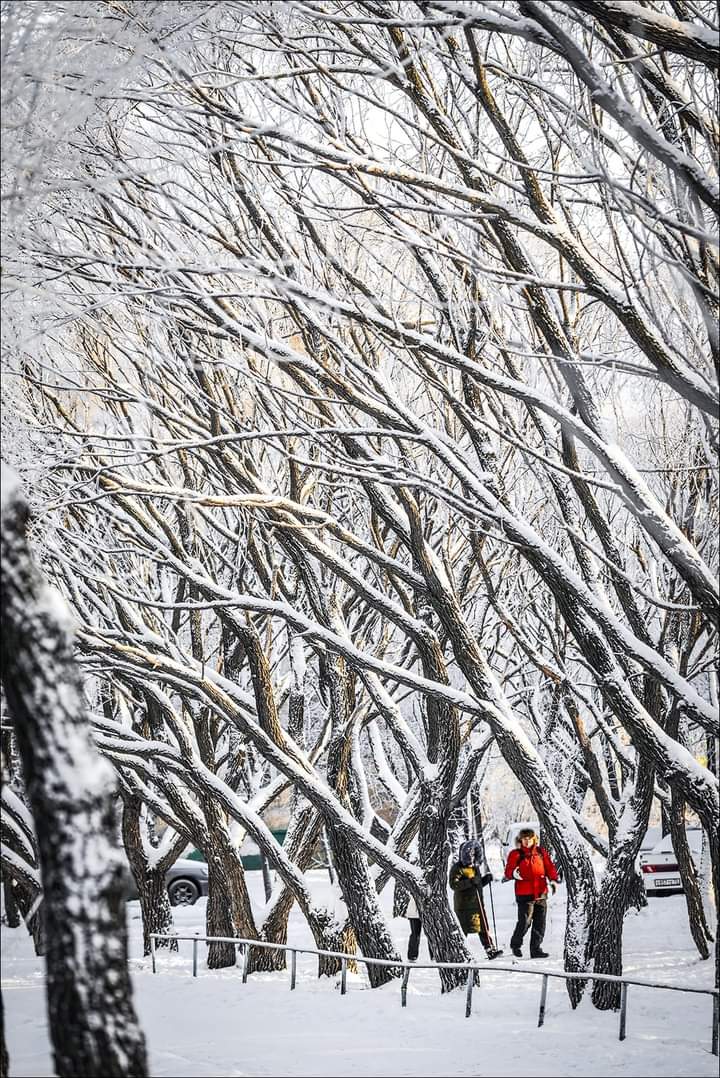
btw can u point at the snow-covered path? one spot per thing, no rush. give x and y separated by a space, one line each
215 1025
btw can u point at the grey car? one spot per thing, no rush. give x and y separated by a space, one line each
186 881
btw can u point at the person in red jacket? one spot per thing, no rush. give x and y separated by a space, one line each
530 866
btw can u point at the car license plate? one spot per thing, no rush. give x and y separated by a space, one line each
674 881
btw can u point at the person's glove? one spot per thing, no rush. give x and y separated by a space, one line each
469 872
553 887
487 878
516 874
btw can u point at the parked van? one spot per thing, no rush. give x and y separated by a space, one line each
507 843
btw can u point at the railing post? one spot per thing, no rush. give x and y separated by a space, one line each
403 986
293 968
246 962
195 949
623 1010
468 992
543 999
343 976
716 1022
152 951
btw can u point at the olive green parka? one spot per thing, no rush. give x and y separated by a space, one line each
466 898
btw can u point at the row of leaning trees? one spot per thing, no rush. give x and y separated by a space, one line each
361 372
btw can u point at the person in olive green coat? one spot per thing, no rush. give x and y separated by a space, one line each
468 876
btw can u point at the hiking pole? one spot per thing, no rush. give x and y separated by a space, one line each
492 904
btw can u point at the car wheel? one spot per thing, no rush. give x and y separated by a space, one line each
183 893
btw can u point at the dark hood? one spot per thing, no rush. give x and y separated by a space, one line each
470 853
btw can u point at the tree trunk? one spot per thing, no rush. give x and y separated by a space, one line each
609 916
155 905
155 909
446 942
617 888
274 930
328 935
530 771
228 912
72 795
350 863
637 898
445 939
699 928
300 841
366 916
219 921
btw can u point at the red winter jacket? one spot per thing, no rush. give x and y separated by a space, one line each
534 869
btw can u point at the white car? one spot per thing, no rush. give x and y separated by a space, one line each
660 868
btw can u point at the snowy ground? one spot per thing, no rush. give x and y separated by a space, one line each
215 1025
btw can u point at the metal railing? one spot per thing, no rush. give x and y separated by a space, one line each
473 969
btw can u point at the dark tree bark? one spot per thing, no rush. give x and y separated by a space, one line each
365 915
218 918
351 864
445 940
150 882
72 795
699 928
357 887
299 844
676 35
615 893
228 911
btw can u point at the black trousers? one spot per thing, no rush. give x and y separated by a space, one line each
414 941
532 914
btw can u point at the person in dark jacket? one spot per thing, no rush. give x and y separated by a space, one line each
468 875
529 865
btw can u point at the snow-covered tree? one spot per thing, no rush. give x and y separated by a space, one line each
71 790
375 373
